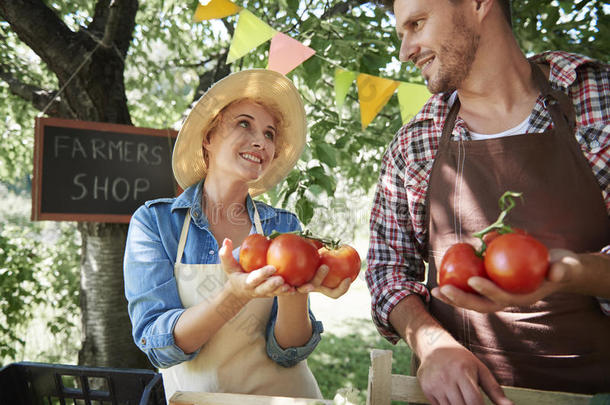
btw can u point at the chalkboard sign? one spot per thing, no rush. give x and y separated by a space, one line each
98 172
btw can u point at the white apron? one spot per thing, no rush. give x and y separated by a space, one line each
235 359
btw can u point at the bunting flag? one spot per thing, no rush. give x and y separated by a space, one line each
411 98
373 93
343 81
215 9
249 33
286 53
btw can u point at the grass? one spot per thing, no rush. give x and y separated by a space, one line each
341 362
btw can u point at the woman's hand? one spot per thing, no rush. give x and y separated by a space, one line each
259 283
315 285
565 266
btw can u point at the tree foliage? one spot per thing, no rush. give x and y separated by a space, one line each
171 60
38 269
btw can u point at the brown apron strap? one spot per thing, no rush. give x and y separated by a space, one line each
560 108
556 102
450 122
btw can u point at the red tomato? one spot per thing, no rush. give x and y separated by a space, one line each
516 263
459 263
488 237
253 252
295 258
343 262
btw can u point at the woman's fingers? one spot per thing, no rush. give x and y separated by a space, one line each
229 264
321 274
256 277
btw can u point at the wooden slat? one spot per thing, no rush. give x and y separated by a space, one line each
380 378
406 388
215 398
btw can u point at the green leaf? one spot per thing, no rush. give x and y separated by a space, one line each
293 6
320 178
327 154
341 142
304 209
315 189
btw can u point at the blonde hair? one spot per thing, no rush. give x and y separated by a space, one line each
273 110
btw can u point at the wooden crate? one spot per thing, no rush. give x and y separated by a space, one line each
215 398
383 387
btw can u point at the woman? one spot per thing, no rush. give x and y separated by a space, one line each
208 325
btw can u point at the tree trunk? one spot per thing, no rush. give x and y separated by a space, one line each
106 329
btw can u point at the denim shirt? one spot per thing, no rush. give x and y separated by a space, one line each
154 304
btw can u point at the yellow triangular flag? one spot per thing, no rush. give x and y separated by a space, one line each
215 9
411 98
250 32
343 81
373 93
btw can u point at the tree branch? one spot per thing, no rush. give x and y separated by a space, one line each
113 22
342 8
211 76
43 31
111 25
229 27
40 98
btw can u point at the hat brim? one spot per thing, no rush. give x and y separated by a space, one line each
269 87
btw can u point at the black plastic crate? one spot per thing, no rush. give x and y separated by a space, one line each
30 383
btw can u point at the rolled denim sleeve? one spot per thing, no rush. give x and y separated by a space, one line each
154 305
292 355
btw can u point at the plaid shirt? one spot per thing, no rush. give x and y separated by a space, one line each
398 229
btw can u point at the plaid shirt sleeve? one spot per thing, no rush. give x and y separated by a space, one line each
395 267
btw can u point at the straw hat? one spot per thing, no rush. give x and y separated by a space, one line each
269 87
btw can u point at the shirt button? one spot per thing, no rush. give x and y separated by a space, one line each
595 144
196 214
143 341
211 252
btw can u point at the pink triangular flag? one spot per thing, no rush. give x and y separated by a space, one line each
286 53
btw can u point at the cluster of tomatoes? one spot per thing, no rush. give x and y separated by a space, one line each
512 259
297 258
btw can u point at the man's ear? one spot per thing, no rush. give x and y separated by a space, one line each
481 8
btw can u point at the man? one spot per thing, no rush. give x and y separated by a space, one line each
495 123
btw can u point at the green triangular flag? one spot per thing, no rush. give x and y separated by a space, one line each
250 32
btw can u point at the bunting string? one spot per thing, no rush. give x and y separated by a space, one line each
286 53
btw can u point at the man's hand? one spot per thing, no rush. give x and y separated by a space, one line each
452 375
565 268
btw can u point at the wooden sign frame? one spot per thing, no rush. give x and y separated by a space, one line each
41 126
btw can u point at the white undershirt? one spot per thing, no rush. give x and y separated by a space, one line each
516 130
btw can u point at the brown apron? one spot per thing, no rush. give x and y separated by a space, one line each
561 342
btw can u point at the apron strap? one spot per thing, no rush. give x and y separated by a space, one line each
257 219
187 221
556 102
183 234
450 122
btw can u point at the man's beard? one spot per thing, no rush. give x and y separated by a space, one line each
455 58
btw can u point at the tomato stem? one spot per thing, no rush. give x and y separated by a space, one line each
306 233
506 204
